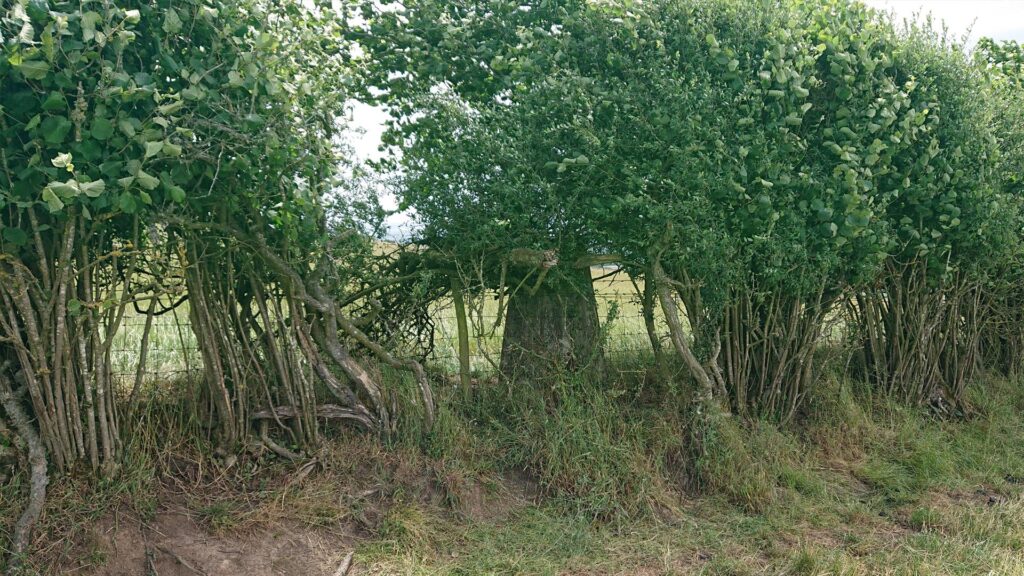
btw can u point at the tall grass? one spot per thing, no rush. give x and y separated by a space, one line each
859 484
173 353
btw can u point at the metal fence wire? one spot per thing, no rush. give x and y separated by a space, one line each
172 352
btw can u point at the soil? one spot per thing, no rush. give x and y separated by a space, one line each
201 520
174 544
178 541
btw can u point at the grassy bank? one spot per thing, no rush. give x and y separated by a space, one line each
588 479
860 486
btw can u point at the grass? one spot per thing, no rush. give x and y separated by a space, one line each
895 491
592 485
173 352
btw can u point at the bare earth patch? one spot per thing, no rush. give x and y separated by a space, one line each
175 544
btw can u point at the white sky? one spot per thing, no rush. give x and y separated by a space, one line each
999 19
368 121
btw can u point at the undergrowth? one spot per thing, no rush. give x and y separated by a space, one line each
591 478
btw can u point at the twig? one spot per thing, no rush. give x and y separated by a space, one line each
181 560
345 565
274 446
150 562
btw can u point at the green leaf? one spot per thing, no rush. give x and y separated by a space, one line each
15 236
194 93
54 102
89 21
33 69
54 203
172 22
55 129
67 188
176 193
127 203
170 107
127 128
37 10
49 46
93 189
102 129
153 148
147 181
171 149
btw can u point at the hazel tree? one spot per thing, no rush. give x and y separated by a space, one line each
495 115
1000 64
158 151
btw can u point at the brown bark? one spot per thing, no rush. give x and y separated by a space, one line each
552 331
920 337
463 329
37 475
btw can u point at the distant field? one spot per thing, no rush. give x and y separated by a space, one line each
625 334
173 351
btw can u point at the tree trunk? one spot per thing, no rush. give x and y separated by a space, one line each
552 330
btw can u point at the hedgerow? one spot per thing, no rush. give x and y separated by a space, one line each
778 179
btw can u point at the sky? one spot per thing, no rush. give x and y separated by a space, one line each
999 19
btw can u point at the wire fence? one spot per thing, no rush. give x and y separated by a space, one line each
173 353
620 314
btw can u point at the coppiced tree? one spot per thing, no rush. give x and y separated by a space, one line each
765 164
922 316
1001 66
491 120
